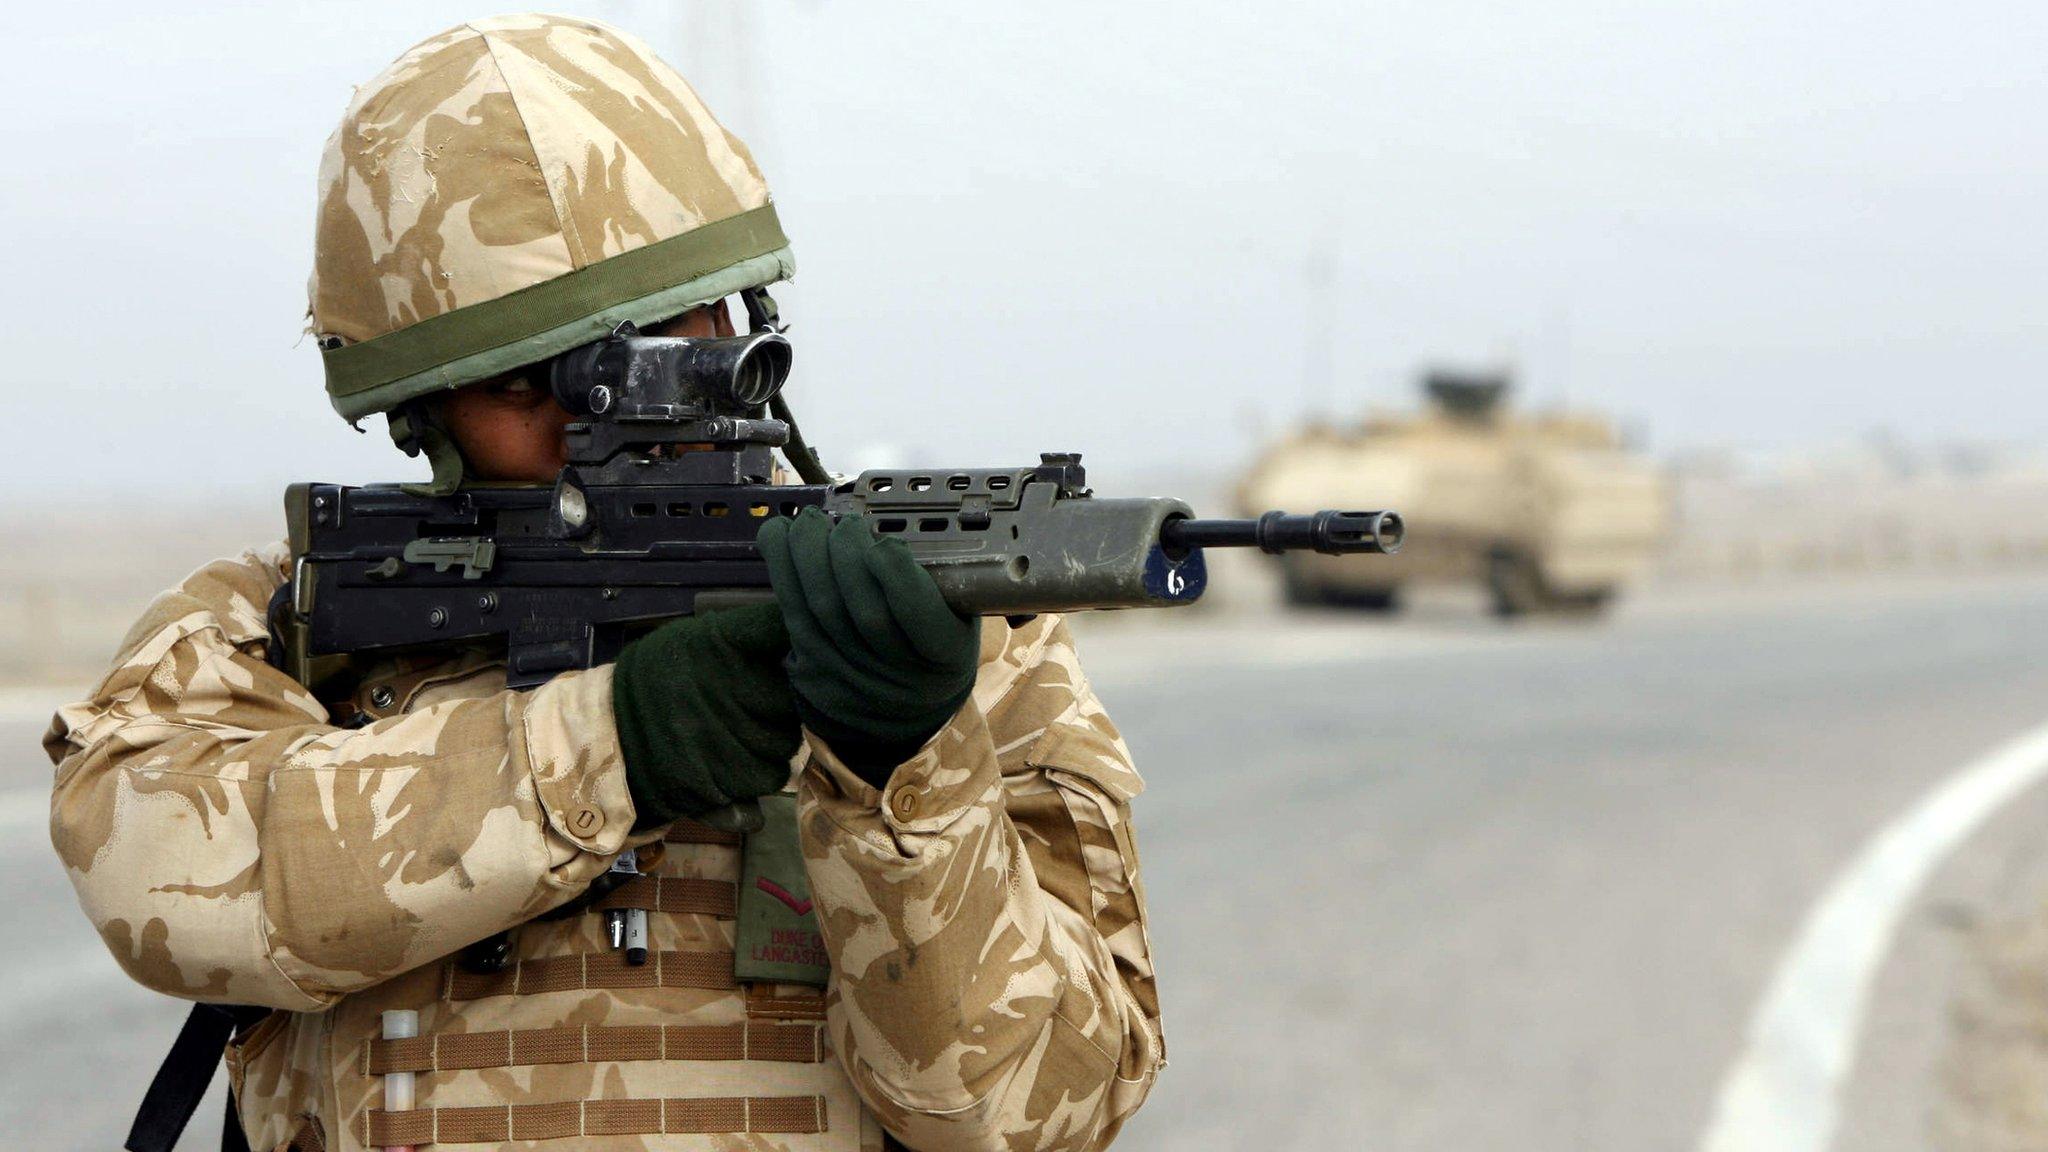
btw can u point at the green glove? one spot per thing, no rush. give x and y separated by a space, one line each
704 713
878 662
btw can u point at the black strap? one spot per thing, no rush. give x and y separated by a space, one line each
764 316
232 1138
181 1080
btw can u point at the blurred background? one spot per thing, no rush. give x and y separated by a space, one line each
1675 790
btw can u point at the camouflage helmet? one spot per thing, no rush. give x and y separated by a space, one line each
515 187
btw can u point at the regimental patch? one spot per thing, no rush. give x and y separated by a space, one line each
778 938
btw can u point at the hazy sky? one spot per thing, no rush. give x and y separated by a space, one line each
1067 225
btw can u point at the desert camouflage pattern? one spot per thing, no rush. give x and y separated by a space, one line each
992 982
1549 512
503 153
996 874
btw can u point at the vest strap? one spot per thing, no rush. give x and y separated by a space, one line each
589 971
597 1043
181 1080
680 895
501 1123
687 831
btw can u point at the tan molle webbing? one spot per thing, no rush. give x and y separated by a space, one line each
593 970
597 1043
691 832
307 1139
498 1123
764 1004
681 895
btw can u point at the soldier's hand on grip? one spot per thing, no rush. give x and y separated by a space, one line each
878 661
704 713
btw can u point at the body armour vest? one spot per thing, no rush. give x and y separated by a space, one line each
568 1040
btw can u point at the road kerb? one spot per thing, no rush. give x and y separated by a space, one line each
1783 1093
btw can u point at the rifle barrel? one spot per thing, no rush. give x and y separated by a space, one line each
1330 532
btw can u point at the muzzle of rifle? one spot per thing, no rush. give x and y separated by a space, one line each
1329 532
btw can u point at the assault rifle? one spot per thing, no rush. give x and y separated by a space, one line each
669 476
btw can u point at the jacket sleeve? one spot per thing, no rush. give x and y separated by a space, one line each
231 845
992 980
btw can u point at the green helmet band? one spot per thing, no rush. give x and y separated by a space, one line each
645 285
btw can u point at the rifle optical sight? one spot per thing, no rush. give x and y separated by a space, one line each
627 376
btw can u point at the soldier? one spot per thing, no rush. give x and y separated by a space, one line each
954 953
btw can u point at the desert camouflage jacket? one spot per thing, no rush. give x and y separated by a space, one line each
991 978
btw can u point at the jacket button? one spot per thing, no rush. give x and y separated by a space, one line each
905 803
585 820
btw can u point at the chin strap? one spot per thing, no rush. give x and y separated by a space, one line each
417 433
762 316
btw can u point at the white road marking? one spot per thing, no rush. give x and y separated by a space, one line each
1783 1093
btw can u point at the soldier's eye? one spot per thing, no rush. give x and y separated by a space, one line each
515 387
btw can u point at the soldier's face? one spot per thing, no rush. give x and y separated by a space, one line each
510 428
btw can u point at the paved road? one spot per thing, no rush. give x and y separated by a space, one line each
1435 884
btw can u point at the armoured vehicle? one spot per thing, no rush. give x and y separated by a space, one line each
1549 512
